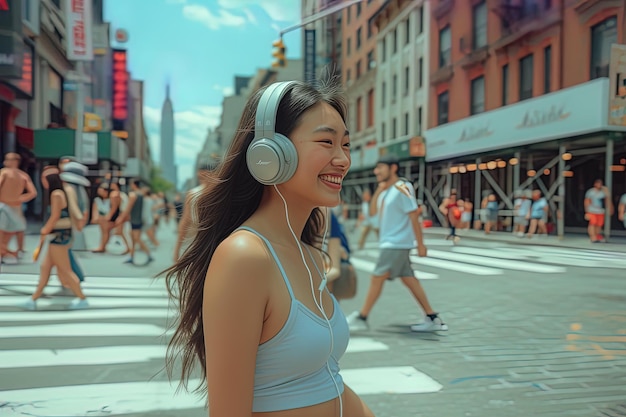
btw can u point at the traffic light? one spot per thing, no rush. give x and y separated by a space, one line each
279 54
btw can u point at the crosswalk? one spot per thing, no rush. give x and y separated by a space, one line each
125 329
493 259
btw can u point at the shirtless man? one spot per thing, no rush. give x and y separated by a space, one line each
16 188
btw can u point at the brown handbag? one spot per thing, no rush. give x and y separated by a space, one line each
344 287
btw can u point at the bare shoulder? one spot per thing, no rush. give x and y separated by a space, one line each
241 258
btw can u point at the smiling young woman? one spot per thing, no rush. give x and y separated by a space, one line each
254 309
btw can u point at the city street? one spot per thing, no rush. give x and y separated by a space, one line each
534 330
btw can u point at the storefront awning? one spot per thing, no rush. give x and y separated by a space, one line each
574 111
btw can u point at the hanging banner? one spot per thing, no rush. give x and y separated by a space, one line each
119 111
617 85
309 55
79 30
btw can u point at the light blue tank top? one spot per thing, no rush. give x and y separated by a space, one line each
291 369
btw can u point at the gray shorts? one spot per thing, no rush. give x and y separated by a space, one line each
520 220
395 262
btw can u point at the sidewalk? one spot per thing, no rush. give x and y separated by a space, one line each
573 241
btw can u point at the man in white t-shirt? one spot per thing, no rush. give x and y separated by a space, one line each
398 216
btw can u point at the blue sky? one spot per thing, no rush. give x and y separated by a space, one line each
198 46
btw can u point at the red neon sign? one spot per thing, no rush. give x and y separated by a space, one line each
120 85
4 5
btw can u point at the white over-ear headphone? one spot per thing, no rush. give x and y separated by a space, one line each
271 157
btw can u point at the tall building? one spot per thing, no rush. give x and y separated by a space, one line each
520 99
167 139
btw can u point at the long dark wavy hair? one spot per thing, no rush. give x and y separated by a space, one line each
54 183
230 196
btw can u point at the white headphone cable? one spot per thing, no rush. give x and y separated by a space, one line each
321 288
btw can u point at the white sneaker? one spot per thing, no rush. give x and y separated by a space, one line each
356 323
78 304
430 325
29 304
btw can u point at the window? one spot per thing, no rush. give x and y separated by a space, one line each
547 68
383 132
505 84
369 31
370 108
394 128
445 47
383 49
418 130
526 77
442 108
479 28
358 9
394 88
395 41
383 96
478 95
358 114
602 36
349 46
406 81
406 124
358 69
349 13
420 69
370 60
407 31
358 38
420 20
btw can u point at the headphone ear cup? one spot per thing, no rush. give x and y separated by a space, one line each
289 162
272 161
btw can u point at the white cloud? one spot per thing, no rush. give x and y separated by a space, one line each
191 131
203 15
225 90
277 10
250 16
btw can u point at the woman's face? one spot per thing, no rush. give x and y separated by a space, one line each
323 145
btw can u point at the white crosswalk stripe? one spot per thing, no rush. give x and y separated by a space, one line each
490 260
126 325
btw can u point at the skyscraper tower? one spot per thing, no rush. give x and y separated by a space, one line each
167 139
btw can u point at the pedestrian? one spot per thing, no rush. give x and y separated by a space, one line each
338 252
521 210
492 214
134 214
449 207
368 222
254 308
74 175
597 202
622 209
100 212
184 227
398 215
64 215
537 215
16 188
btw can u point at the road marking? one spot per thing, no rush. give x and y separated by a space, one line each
94 302
368 266
92 282
456 266
104 355
100 399
95 292
365 344
489 262
493 253
389 380
82 330
47 315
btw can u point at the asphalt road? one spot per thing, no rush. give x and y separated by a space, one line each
533 330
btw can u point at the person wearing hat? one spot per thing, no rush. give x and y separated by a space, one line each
399 230
74 175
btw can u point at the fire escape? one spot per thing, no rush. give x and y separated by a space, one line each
523 18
